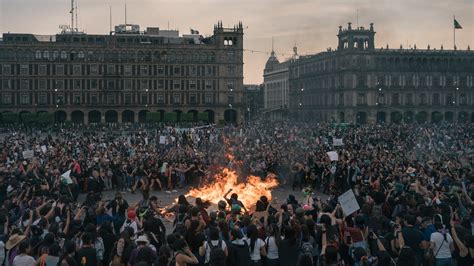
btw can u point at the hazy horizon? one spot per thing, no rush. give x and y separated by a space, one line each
311 25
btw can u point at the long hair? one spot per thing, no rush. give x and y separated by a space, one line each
252 233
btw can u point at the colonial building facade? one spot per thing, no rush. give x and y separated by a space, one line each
358 83
275 88
120 77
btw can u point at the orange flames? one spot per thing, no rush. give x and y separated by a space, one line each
249 192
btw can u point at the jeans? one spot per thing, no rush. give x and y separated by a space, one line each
444 262
271 262
256 262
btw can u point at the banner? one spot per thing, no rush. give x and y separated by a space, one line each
44 149
348 202
333 156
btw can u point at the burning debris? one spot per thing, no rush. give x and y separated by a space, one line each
249 191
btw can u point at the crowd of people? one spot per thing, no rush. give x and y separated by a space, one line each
414 185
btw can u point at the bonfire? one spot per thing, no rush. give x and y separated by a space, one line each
249 191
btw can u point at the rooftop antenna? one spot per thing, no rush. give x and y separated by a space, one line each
125 12
272 44
72 15
77 21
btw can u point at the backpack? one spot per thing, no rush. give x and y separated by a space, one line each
217 255
241 254
306 248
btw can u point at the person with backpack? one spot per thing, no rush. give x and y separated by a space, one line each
183 254
131 221
212 246
143 252
442 246
271 244
239 252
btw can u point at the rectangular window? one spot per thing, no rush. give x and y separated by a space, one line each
42 70
230 56
94 84
209 71
176 84
230 70
208 84
176 70
176 98
462 99
127 69
192 84
230 85
25 84
76 70
6 84
341 99
59 70
361 98
94 69
7 98
436 100
42 98
161 70
25 98
77 99
24 70
59 99
110 69
230 99
144 70
161 84
192 99
59 84
94 99
42 84
144 99
450 99
110 98
409 99
128 84
144 85
208 98
128 98
192 70
161 98
6 70
76 84
422 99
395 99
111 85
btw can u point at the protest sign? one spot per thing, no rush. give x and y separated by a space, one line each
337 142
44 149
348 202
28 154
333 156
162 140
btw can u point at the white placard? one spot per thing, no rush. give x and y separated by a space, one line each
162 140
44 149
28 154
348 202
333 156
146 141
337 142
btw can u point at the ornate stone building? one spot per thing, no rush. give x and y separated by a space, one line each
276 88
120 77
358 83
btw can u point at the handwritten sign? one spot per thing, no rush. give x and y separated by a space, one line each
162 140
348 202
337 142
28 154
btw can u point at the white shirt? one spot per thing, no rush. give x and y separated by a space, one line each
255 253
24 260
443 245
215 243
132 224
272 252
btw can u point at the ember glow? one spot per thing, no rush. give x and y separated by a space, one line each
249 192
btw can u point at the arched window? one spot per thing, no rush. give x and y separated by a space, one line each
55 55
46 55
38 55
81 55
63 55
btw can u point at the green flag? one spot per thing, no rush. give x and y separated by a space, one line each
457 25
